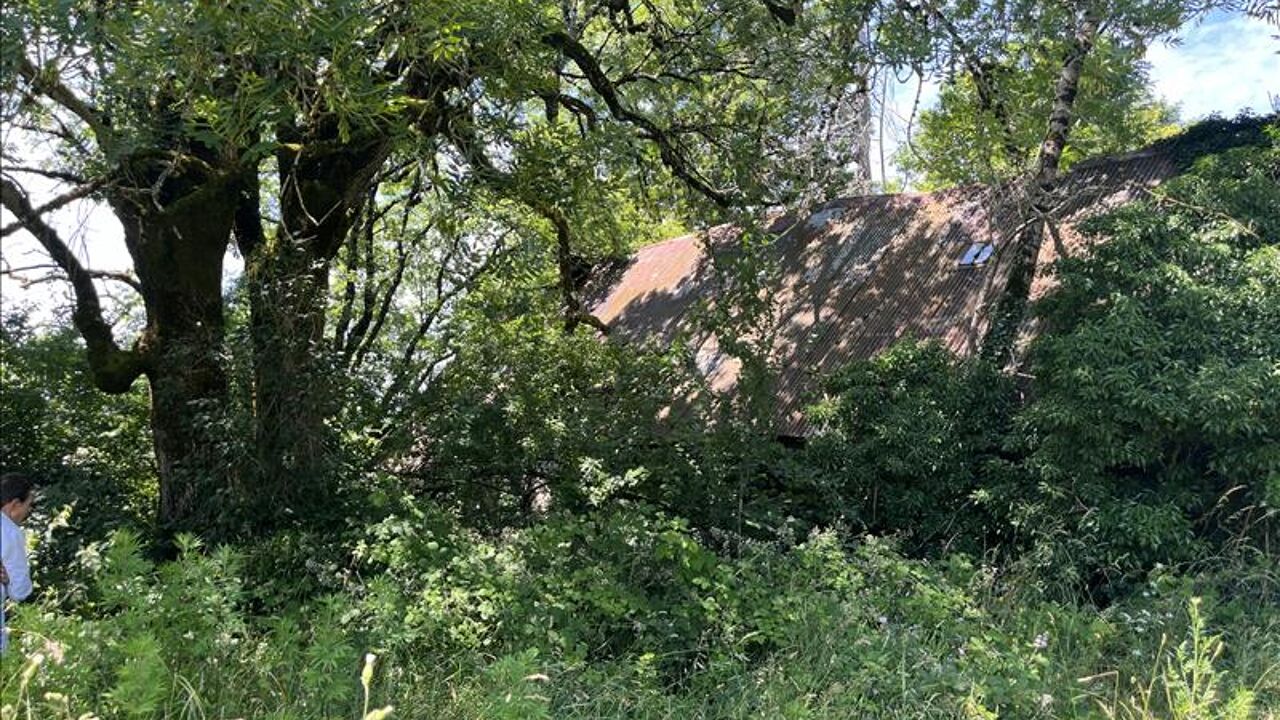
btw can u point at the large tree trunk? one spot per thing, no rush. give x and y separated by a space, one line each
178 237
177 225
288 290
287 276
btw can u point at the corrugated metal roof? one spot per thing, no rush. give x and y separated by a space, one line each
854 275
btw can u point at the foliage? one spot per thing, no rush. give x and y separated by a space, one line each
1029 86
175 638
1189 682
959 143
355 133
906 439
529 418
1148 435
1153 428
524 521
624 613
91 456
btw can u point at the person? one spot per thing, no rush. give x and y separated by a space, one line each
16 499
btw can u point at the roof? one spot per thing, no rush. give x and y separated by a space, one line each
852 276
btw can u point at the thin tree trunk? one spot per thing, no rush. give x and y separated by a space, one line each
1064 100
1001 338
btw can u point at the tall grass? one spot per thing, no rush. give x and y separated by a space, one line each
822 630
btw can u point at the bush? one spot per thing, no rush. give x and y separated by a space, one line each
1154 436
624 613
159 641
906 438
89 453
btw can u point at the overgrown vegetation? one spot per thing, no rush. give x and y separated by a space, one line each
396 468
1098 543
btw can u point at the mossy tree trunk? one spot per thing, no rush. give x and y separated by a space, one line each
177 225
322 189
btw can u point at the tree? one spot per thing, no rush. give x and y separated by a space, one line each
984 43
994 55
284 125
960 143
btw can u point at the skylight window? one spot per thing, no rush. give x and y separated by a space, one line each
977 254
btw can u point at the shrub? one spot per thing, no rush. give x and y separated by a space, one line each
905 441
1154 436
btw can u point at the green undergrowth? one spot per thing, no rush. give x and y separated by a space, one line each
627 613
1092 538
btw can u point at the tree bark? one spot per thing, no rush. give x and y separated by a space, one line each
323 188
287 289
1064 100
177 224
177 234
1001 338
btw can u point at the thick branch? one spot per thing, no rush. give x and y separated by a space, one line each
52 88
247 223
579 108
600 82
574 314
54 204
114 369
1040 189
785 14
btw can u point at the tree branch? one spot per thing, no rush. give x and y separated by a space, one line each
579 108
670 154
51 174
120 277
574 314
54 204
52 88
384 309
978 67
114 369
785 14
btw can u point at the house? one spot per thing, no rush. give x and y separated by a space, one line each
852 276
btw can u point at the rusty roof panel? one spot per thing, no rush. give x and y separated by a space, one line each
857 274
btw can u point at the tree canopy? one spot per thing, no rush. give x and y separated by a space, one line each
375 162
300 129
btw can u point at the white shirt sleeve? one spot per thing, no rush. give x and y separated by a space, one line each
14 556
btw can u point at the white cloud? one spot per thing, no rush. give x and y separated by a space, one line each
1226 64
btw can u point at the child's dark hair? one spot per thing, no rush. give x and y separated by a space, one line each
15 486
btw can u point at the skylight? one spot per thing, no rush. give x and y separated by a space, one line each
977 254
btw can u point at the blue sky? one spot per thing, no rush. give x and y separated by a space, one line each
1225 64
